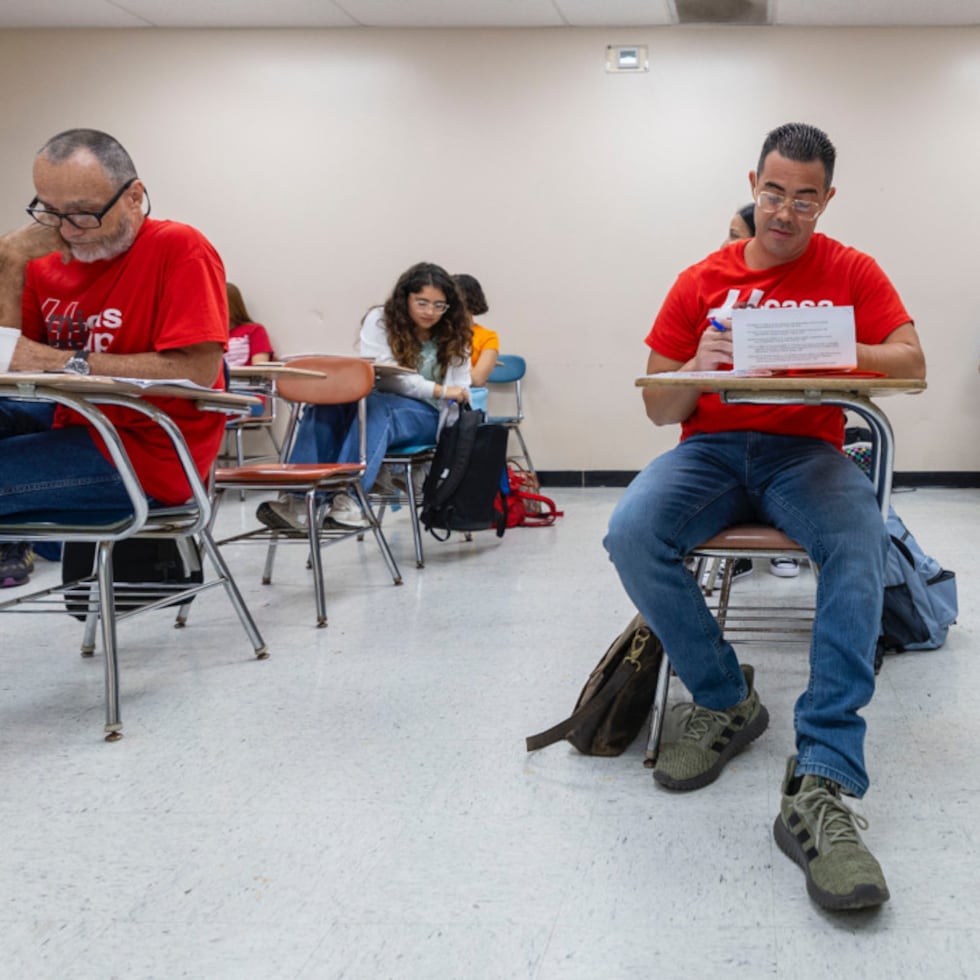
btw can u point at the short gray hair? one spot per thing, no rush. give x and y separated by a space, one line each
115 161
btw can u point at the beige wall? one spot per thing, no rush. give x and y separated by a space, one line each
322 163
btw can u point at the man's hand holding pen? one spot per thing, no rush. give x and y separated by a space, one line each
714 351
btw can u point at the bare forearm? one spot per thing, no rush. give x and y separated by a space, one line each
895 360
11 292
200 363
17 248
668 406
481 370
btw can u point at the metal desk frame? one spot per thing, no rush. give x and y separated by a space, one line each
96 593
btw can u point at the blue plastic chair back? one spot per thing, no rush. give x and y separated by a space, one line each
509 368
478 398
411 449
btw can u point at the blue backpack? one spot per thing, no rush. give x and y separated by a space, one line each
920 596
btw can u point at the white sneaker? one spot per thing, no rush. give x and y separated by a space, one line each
346 511
784 567
385 483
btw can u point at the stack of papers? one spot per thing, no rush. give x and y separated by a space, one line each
813 338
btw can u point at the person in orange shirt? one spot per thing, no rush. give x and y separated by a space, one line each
486 344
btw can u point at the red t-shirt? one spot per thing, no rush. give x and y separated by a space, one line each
827 274
166 291
247 340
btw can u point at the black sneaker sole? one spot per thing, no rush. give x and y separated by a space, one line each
268 516
740 740
861 897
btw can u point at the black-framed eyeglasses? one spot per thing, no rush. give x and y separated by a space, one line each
79 219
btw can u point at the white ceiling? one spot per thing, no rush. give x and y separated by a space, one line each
481 13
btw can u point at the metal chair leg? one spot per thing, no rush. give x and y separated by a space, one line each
107 613
657 712
413 510
316 560
524 452
234 595
379 536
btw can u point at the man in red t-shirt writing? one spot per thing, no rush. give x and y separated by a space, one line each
783 466
96 286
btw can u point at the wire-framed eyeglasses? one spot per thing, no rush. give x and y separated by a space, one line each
771 203
424 305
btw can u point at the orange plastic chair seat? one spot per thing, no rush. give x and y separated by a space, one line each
298 474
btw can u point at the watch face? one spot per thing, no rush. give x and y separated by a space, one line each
78 364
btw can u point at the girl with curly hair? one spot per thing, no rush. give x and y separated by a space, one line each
423 329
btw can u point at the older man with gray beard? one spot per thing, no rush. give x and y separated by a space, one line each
97 286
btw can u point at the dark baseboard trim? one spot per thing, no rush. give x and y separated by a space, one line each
620 478
957 479
585 478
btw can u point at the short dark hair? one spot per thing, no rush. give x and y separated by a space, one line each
115 161
747 214
803 143
472 293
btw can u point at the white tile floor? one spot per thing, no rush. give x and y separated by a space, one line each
360 805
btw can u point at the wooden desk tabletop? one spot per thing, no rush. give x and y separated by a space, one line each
726 381
271 369
94 385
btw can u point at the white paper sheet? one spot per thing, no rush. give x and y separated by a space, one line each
798 337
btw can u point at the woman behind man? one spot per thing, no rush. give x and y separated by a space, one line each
422 327
248 341
742 224
486 344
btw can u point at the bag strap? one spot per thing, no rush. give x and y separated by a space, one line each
594 707
541 519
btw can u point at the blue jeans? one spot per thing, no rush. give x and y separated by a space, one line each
818 497
18 418
54 475
330 433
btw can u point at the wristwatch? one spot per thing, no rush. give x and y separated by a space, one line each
78 363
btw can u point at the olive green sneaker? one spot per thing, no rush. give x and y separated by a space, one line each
709 739
820 833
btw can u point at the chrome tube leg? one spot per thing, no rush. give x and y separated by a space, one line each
91 620
316 561
413 511
721 613
389 558
657 712
234 595
526 454
270 557
183 611
107 612
240 453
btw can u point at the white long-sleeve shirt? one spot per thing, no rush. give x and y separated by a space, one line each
374 343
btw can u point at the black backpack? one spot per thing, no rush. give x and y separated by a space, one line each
464 481
168 561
